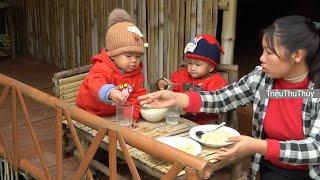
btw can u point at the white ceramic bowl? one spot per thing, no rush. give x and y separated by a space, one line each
153 115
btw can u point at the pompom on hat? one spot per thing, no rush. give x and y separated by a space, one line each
122 35
204 48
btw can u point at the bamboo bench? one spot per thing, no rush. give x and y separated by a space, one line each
67 83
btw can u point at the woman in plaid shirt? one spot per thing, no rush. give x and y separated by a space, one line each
286 131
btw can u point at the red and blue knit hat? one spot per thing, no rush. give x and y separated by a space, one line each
204 48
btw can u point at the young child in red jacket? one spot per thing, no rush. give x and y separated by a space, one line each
202 56
116 75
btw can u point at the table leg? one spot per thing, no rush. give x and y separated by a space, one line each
191 174
236 171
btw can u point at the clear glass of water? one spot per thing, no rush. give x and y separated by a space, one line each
173 115
124 114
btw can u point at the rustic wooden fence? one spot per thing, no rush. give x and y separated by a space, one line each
68 32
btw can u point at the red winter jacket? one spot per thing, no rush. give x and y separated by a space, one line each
182 81
104 72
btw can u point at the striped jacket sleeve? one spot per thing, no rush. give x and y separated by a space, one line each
232 96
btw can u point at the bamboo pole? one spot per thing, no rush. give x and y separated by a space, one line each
153 57
181 40
14 128
214 16
47 22
42 42
31 26
112 150
155 63
89 154
176 35
66 40
161 25
7 153
87 26
67 91
193 19
34 171
228 32
207 17
128 158
33 134
58 123
70 85
71 42
82 32
199 17
166 39
76 140
56 35
69 95
76 21
72 79
94 27
62 33
171 37
4 95
191 174
35 29
1 166
173 172
188 22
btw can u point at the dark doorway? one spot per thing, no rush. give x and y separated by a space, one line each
253 16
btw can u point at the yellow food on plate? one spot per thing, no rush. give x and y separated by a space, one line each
187 147
219 136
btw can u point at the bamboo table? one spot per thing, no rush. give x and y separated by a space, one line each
153 166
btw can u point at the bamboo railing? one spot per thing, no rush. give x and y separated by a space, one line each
68 32
195 167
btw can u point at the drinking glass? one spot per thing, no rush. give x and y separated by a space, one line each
124 114
173 115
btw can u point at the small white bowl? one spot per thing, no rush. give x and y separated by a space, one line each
153 115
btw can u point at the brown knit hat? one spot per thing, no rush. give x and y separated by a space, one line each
123 36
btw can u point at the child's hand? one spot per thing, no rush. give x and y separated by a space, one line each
117 96
135 124
162 84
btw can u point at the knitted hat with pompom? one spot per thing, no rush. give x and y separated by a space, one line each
205 48
122 35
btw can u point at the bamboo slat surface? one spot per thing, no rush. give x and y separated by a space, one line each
68 33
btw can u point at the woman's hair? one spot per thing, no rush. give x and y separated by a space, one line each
294 33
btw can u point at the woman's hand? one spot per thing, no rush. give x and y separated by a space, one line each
243 146
164 98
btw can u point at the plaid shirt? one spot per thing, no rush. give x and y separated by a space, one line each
248 90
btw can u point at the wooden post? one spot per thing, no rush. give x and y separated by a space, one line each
191 174
173 172
15 128
228 32
59 170
112 154
77 142
236 170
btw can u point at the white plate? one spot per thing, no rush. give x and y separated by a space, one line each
182 143
206 128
